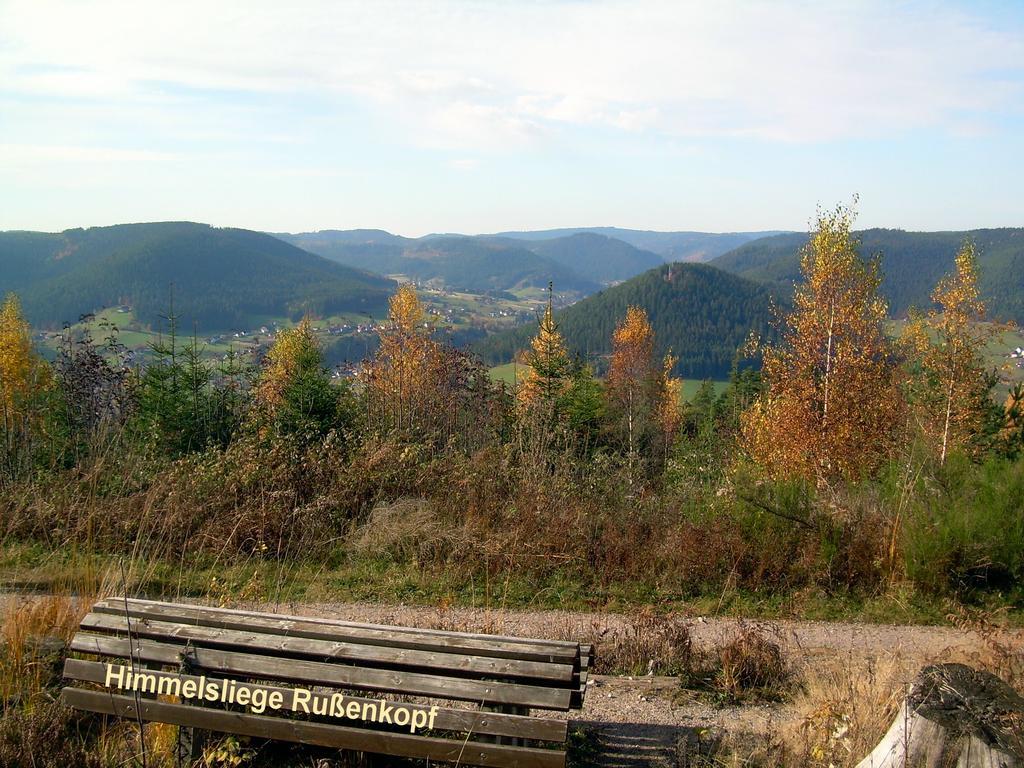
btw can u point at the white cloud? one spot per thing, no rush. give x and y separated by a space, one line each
492 75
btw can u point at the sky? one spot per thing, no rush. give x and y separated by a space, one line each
452 116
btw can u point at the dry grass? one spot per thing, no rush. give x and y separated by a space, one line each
753 664
409 530
844 709
33 635
648 644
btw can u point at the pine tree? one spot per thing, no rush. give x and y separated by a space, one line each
295 390
549 368
295 350
831 404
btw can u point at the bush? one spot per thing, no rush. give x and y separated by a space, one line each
752 664
649 644
965 530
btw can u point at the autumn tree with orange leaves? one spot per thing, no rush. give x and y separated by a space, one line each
951 393
24 378
832 405
402 379
643 396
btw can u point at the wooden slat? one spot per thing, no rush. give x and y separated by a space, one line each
561 647
464 720
372 655
320 673
303 732
376 634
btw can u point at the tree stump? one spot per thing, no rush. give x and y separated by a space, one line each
954 716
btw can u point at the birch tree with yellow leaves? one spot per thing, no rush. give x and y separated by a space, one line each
424 389
951 390
832 404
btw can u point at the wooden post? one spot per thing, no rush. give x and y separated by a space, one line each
191 741
954 715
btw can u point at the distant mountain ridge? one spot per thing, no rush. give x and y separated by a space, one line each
578 259
670 246
912 263
606 258
457 262
701 313
220 278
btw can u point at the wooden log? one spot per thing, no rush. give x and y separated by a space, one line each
954 715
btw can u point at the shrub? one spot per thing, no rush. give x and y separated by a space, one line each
965 530
752 663
648 644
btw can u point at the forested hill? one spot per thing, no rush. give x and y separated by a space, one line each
912 263
473 264
576 259
479 264
221 278
604 259
670 246
703 314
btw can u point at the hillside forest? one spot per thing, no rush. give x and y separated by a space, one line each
851 465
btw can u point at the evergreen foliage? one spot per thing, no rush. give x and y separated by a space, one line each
224 278
911 264
701 313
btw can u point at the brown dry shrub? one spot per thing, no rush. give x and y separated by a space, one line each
1001 650
752 663
409 530
35 729
33 635
647 644
858 535
701 555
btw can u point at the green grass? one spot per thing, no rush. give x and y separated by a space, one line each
506 372
348 579
690 387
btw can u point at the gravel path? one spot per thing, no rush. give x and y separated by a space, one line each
799 638
649 721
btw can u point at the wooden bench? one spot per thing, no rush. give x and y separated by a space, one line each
346 684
